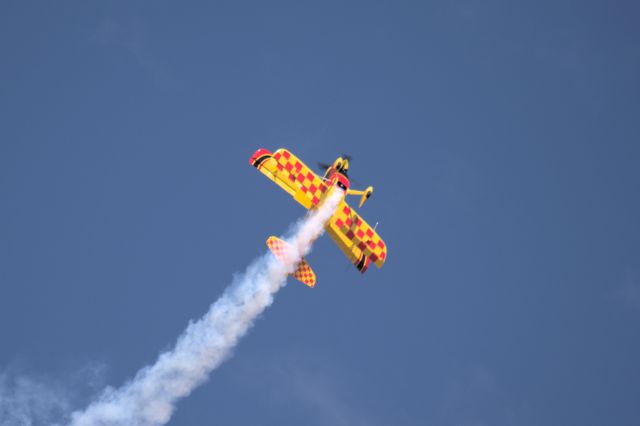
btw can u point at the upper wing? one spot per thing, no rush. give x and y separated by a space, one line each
359 242
290 174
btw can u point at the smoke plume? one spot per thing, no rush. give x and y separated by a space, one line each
150 398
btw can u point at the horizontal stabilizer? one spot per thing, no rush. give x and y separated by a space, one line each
303 272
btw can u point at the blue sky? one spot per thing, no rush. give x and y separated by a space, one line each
502 142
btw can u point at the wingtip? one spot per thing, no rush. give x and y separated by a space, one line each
259 156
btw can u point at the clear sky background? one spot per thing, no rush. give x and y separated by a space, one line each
502 139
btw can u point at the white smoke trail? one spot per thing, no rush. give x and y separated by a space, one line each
149 399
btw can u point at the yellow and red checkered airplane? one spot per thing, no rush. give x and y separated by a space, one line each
359 241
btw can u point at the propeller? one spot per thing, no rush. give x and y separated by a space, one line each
324 166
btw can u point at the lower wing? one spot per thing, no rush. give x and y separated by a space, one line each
357 240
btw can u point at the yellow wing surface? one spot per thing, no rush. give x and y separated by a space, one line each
359 242
290 174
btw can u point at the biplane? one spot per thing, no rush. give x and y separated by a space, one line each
357 240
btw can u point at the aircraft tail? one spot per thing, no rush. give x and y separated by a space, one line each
303 272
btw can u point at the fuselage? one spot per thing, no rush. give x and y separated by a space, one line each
335 180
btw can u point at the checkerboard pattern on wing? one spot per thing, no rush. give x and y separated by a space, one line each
360 234
300 174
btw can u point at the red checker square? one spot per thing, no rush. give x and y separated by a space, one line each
346 210
286 154
358 221
383 255
369 233
313 188
349 222
360 234
361 246
340 223
371 245
315 200
298 166
374 257
292 178
280 167
350 235
289 167
380 244
323 188
310 176
300 178
303 189
277 156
